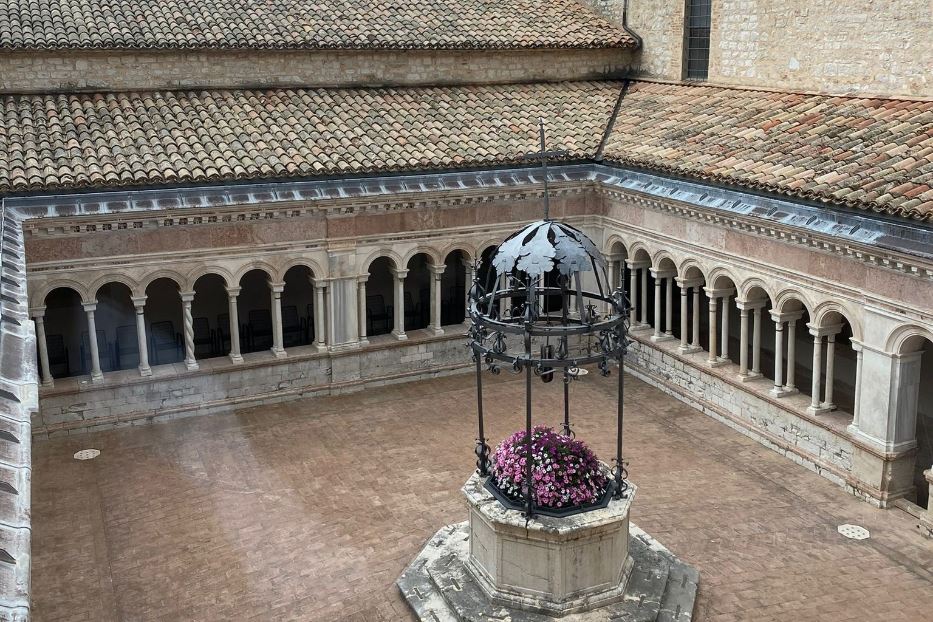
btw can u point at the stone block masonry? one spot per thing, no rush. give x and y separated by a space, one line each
115 70
171 392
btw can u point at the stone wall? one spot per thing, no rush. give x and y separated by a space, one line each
94 70
125 398
860 46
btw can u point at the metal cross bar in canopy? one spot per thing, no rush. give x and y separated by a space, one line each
542 156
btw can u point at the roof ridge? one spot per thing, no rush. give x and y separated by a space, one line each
764 89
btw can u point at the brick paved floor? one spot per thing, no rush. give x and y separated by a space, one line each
309 510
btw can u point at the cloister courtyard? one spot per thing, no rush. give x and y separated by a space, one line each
309 510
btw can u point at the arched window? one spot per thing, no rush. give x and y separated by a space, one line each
696 40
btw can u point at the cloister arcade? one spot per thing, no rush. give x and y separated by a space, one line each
797 346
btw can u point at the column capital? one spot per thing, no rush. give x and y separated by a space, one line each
437 271
319 283
749 305
89 306
138 301
791 316
37 312
186 296
233 292
663 274
277 287
362 279
467 263
613 257
637 265
399 274
823 331
687 283
722 292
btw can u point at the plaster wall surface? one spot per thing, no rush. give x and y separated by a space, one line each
116 70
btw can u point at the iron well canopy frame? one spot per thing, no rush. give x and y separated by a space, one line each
533 314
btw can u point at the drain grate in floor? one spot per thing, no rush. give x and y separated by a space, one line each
853 532
87 454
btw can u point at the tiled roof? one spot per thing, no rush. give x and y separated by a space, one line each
120 139
305 24
872 154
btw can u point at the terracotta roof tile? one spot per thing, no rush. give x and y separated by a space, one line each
855 152
54 142
305 24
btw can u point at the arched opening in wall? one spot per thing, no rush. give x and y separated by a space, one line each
454 288
164 322
642 294
210 314
665 300
727 321
380 311
65 321
697 308
487 275
797 347
760 305
839 388
117 342
254 308
298 307
417 292
916 370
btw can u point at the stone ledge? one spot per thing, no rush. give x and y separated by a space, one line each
439 588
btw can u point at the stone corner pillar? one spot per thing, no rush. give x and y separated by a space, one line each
361 281
89 309
142 341
191 362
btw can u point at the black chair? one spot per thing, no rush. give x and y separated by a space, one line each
377 313
293 328
126 349
164 340
204 337
59 366
259 330
424 306
223 332
104 354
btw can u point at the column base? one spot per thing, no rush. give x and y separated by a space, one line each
322 347
822 409
689 349
435 331
400 336
364 342
192 365
145 371
236 359
279 354
783 391
97 377
749 376
640 327
719 362
662 337
51 383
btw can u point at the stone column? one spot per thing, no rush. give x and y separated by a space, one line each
817 371
361 309
778 390
320 314
743 342
235 356
830 369
643 314
276 289
712 328
724 357
38 315
756 343
96 374
399 303
684 292
142 341
695 344
790 386
657 306
467 285
669 307
858 382
191 363
436 272
633 291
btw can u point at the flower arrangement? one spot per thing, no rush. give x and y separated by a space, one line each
565 471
